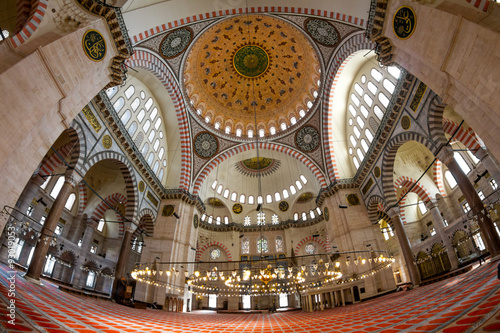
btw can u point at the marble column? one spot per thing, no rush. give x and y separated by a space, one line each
124 254
342 296
310 302
432 206
42 247
85 249
332 299
485 224
490 164
405 245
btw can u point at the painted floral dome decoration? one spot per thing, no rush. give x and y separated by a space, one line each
247 62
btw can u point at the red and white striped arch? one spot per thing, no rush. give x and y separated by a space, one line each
480 4
467 137
37 9
108 203
326 246
201 250
221 157
150 61
264 9
407 183
437 175
344 54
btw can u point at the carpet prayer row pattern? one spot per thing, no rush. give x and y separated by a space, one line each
466 303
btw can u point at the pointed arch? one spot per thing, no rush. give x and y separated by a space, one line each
37 9
147 220
201 250
465 136
129 177
437 177
149 61
375 204
350 48
389 158
317 240
70 152
110 202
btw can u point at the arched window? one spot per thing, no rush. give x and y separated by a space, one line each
100 226
45 183
251 200
149 103
299 184
153 114
160 175
461 162
269 198
146 126
156 145
129 92
145 149
141 115
262 245
226 193
234 196
242 198
57 187
118 104
226 220
245 245
277 196
304 216
303 179
150 158
279 244
126 117
135 104
138 139
285 194
132 128
70 202
151 135
157 123
219 189
296 216
111 91
292 190
160 154
156 166
450 179
260 200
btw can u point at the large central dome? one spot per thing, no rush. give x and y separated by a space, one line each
247 63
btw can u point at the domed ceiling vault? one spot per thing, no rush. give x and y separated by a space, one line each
233 65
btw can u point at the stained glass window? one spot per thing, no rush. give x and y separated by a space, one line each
215 254
245 246
247 220
275 219
310 248
261 218
262 245
279 244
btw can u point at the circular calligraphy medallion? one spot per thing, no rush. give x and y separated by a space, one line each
353 199
205 145
251 61
323 32
107 142
237 208
175 42
283 206
404 22
406 123
94 45
326 213
195 221
141 186
168 210
307 138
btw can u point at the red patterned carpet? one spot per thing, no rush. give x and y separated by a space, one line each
466 303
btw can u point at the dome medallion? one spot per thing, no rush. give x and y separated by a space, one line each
251 61
251 64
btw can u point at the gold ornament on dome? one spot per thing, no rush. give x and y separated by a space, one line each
214 202
168 210
251 62
107 142
305 197
352 199
237 208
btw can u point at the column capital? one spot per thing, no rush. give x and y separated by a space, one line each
445 155
72 178
431 204
393 212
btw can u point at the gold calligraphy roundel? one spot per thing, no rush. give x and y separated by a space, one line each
94 45
404 22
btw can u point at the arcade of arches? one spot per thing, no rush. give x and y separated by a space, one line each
226 136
